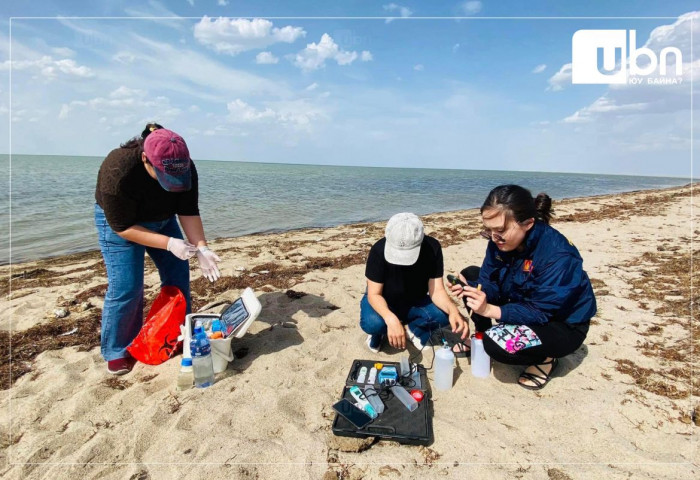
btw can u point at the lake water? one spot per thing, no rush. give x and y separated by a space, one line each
48 209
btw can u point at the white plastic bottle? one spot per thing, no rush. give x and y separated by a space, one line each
185 376
202 363
481 362
444 368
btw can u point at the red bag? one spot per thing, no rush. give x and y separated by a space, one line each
157 340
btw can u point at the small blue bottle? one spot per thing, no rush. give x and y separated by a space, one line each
202 363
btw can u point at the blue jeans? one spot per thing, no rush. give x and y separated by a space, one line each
122 313
422 319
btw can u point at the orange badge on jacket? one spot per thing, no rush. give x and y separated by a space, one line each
527 266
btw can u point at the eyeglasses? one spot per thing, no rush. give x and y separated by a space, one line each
489 234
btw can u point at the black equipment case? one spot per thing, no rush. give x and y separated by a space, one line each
396 422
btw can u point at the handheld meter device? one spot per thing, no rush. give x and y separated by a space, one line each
388 375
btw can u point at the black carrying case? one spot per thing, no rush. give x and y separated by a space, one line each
396 422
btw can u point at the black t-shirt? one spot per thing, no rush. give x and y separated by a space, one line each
405 285
129 195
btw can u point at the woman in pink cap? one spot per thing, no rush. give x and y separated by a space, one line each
141 187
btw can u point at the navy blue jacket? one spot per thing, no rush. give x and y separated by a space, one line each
543 283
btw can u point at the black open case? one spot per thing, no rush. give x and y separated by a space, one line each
396 422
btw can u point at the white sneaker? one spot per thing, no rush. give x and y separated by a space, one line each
414 339
372 348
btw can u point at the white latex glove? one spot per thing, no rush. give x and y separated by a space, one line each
207 262
181 249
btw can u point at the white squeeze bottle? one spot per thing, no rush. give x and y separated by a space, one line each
202 363
481 362
444 368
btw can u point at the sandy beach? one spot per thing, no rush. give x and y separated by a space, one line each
625 405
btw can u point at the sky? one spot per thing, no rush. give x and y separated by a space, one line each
462 84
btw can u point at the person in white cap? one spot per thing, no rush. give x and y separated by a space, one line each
405 288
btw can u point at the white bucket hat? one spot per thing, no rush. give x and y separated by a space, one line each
404 236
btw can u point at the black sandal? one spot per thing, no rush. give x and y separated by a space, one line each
539 380
464 351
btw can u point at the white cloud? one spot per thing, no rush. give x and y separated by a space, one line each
419 67
404 12
48 67
266 58
222 3
471 7
123 106
123 92
236 35
297 114
455 47
366 56
539 68
312 87
158 13
63 51
124 57
191 2
314 56
560 79
604 105
241 112
163 62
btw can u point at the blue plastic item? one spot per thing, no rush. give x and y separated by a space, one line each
388 375
202 363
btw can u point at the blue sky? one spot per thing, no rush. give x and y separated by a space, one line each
263 82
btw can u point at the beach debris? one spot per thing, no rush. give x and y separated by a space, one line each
70 332
240 269
84 306
263 272
429 455
695 416
140 475
171 404
294 295
330 475
253 274
387 470
61 313
116 383
556 474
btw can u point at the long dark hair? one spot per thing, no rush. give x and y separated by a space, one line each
518 203
137 142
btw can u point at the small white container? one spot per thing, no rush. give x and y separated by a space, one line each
444 368
221 353
481 362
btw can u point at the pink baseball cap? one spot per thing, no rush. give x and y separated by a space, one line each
168 153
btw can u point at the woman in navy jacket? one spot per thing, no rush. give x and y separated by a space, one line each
532 282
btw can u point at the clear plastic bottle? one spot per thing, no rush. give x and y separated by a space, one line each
405 397
185 377
202 363
481 362
444 368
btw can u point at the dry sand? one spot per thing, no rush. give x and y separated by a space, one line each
624 405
